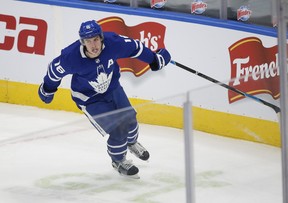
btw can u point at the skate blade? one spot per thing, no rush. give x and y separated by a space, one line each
136 176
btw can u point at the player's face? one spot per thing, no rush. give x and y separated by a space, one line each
93 46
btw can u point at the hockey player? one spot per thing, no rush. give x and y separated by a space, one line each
96 90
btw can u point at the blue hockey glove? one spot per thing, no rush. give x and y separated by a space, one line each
45 96
162 58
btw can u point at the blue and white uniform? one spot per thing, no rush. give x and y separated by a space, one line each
96 90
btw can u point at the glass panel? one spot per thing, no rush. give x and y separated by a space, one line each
251 11
259 12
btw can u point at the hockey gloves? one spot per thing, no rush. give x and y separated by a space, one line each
162 58
45 96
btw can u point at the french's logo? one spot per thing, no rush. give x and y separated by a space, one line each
254 69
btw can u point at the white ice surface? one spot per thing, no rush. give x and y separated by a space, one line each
70 164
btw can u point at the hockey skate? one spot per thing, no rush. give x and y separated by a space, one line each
126 168
139 151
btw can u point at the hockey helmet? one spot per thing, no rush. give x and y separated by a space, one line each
90 29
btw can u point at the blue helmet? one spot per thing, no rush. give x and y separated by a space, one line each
90 29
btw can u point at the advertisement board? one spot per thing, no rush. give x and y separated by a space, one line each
33 34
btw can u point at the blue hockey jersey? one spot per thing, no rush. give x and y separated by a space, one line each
93 78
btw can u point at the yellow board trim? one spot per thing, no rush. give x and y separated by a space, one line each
220 123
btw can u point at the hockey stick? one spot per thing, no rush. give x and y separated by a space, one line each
275 108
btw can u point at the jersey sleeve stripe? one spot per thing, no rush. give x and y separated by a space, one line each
140 47
52 75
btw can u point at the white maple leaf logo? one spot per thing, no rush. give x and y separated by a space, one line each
102 82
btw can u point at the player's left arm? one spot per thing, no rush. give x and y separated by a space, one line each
136 49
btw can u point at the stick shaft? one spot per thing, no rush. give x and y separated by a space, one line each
275 108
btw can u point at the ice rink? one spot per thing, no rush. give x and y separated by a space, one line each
57 157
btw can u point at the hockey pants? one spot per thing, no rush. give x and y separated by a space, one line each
113 115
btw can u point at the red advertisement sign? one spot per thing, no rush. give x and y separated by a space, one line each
14 36
198 7
157 3
152 34
254 68
243 13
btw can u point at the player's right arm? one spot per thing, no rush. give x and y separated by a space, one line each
52 80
